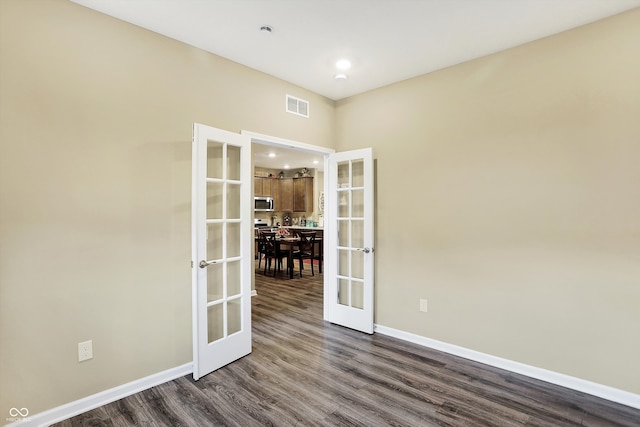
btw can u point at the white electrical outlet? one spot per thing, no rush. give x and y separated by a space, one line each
423 305
85 351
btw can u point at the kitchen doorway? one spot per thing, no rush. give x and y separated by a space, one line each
222 166
348 228
273 157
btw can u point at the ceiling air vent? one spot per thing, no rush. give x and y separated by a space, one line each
297 106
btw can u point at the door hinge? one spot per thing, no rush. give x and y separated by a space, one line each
191 264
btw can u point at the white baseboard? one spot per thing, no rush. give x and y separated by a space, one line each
595 389
88 403
99 399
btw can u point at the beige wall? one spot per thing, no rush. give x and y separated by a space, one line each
95 192
523 225
523 233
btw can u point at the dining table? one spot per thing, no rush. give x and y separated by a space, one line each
289 244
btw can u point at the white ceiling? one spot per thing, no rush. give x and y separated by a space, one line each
295 159
386 40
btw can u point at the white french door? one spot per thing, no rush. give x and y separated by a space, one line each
221 248
349 238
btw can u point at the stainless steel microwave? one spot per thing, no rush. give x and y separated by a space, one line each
263 204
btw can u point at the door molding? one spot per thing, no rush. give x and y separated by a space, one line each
260 138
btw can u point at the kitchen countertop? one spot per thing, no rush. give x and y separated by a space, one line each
303 227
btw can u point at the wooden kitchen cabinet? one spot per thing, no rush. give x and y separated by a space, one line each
303 194
284 197
263 186
294 194
257 186
267 187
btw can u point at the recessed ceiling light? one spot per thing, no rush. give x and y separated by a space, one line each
272 154
343 64
286 166
315 162
340 76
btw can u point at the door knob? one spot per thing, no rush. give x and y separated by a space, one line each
205 264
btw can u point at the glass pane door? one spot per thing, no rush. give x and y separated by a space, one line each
223 240
350 242
222 277
350 233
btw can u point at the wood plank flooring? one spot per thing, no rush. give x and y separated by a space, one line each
305 372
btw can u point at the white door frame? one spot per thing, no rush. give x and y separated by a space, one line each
324 151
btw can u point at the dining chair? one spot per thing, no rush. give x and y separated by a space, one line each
260 247
306 249
271 252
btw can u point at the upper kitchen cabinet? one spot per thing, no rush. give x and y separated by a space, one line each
303 194
284 195
290 193
293 194
263 186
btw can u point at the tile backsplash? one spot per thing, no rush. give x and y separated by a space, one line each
268 216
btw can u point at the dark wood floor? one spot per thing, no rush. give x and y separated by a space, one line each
305 372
